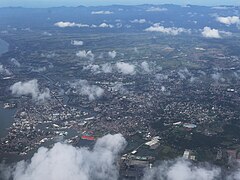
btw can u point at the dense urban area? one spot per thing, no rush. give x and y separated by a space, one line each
170 91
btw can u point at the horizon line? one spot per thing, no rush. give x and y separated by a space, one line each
87 6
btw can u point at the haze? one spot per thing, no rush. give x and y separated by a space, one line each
51 3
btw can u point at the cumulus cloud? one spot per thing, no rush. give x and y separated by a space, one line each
136 50
182 170
120 88
229 20
45 33
156 9
183 73
63 162
140 21
107 68
126 68
112 54
163 88
234 175
62 24
102 12
82 87
4 70
85 54
145 66
77 43
49 55
30 88
210 33
161 77
217 77
15 62
105 25
170 31
92 67
104 68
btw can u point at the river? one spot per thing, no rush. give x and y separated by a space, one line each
6 120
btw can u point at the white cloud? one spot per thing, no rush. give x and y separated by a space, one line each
15 62
161 77
156 9
30 88
62 24
170 31
183 73
210 33
105 25
120 88
119 25
82 87
85 54
217 77
77 43
220 7
45 33
112 54
49 55
234 175
145 66
4 32
225 33
140 21
4 70
125 68
135 50
229 20
182 170
107 68
163 88
102 12
65 24
44 95
63 162
104 68
93 67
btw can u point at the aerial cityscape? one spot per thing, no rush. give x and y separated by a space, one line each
145 92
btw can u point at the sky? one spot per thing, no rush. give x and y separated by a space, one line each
55 3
